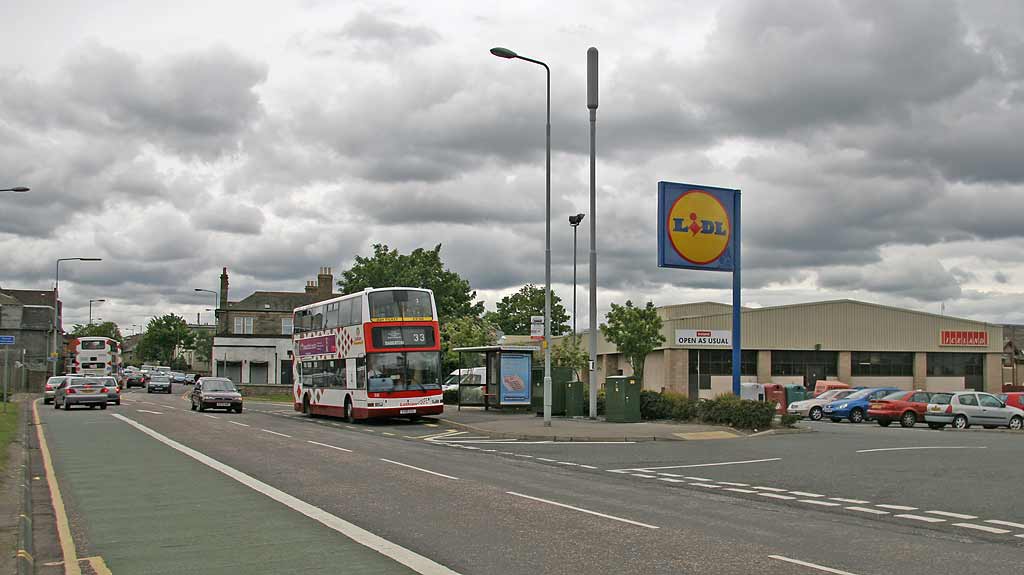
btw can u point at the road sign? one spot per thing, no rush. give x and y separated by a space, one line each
6 340
536 327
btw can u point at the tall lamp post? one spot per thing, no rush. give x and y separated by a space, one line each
56 288
574 221
510 55
16 189
92 301
592 107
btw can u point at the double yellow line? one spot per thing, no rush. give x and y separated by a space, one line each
67 542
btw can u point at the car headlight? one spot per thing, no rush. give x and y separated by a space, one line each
843 406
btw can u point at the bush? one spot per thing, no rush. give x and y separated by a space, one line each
668 405
790 420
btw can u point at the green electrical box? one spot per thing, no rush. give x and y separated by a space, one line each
560 376
622 399
575 399
795 392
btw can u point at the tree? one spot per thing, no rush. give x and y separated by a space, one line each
514 311
420 268
204 344
105 329
163 337
635 331
569 353
465 331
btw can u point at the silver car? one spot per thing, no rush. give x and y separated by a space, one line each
51 387
967 408
812 407
159 383
89 391
113 390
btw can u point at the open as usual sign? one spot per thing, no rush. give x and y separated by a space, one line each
703 338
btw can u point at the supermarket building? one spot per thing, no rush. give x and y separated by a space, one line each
851 341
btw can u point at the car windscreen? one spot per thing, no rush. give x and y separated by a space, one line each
941 398
159 379
218 385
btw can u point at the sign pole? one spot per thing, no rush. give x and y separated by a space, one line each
737 312
7 375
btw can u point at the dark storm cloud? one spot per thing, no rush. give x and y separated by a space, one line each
918 278
376 35
227 215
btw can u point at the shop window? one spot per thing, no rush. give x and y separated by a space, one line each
881 363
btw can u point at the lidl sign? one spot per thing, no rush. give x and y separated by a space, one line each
695 227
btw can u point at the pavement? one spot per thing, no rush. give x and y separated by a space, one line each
270 491
527 425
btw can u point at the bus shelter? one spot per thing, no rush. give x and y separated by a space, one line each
506 378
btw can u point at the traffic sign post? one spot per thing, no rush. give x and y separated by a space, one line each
6 340
699 229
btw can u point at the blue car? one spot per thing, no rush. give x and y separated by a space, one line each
855 406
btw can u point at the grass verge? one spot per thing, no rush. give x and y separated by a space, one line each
278 397
8 431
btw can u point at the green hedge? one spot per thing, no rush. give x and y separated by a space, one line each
722 410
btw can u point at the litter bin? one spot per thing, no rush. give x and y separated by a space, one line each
795 392
575 393
560 376
776 393
622 399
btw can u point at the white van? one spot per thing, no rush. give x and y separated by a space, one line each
465 376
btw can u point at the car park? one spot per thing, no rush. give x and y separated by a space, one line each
855 406
81 391
906 407
811 408
967 408
159 384
215 393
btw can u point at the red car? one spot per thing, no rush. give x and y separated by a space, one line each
907 407
1014 398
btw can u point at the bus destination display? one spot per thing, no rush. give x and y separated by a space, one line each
405 336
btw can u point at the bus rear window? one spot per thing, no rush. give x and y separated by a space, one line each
94 344
400 305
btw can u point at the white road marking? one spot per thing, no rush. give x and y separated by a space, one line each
587 466
581 510
544 459
410 559
671 480
489 450
855 501
640 475
954 515
210 416
773 489
1004 523
517 454
868 510
818 502
330 446
148 411
776 496
237 423
738 490
920 518
699 464
566 463
698 479
735 484
708 485
805 494
419 469
984 528
670 474
821 568
897 507
276 433
921 448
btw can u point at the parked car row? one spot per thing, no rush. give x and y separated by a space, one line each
885 405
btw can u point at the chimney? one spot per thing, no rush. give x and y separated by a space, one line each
224 289
310 287
325 283
221 314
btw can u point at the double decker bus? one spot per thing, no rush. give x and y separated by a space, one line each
100 356
371 354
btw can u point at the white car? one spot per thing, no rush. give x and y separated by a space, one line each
812 407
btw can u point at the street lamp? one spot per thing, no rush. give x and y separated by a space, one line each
215 302
17 189
92 301
56 287
574 221
509 54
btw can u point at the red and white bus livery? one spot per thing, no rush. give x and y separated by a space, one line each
371 354
98 356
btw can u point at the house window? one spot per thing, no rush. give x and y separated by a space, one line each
243 325
286 326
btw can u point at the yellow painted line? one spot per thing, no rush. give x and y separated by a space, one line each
98 565
67 544
24 554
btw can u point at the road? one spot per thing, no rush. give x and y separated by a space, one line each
271 491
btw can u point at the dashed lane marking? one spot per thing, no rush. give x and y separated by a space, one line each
698 478
238 423
776 496
854 501
984 528
953 515
740 490
148 411
818 502
210 416
708 485
920 518
921 448
821 568
896 507
546 459
671 480
276 433
640 475
419 469
330 446
734 484
587 466
868 510
581 510
717 464
1005 523
805 494
772 489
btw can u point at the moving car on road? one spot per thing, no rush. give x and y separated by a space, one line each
967 408
812 407
159 384
135 379
81 391
177 377
113 390
907 407
190 378
51 387
215 393
855 406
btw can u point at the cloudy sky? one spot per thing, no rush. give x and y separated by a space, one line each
877 145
